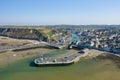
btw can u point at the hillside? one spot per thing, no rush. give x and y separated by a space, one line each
25 33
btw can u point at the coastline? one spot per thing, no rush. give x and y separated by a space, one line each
10 56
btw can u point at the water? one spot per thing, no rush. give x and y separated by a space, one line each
92 69
75 38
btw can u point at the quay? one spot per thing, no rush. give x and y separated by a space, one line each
18 48
30 46
42 61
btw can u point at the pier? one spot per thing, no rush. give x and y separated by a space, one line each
75 57
30 46
58 46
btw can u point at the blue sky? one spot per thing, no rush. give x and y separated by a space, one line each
45 12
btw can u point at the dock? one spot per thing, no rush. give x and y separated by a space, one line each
75 57
18 48
30 46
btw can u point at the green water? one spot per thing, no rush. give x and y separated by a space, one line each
91 69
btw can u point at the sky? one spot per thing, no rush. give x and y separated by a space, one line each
55 12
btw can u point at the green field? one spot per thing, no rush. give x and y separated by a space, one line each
86 69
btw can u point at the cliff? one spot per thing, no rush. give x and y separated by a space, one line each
23 33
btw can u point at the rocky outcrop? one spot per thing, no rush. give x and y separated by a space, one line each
22 33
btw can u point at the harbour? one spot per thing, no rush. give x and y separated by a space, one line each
60 40
83 69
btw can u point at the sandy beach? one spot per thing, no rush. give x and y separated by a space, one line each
8 57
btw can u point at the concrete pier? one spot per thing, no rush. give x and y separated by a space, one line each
59 61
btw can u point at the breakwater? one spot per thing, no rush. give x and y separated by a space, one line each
75 57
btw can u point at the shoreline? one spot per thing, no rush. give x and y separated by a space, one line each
10 56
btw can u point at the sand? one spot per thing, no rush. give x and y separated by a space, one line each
10 56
